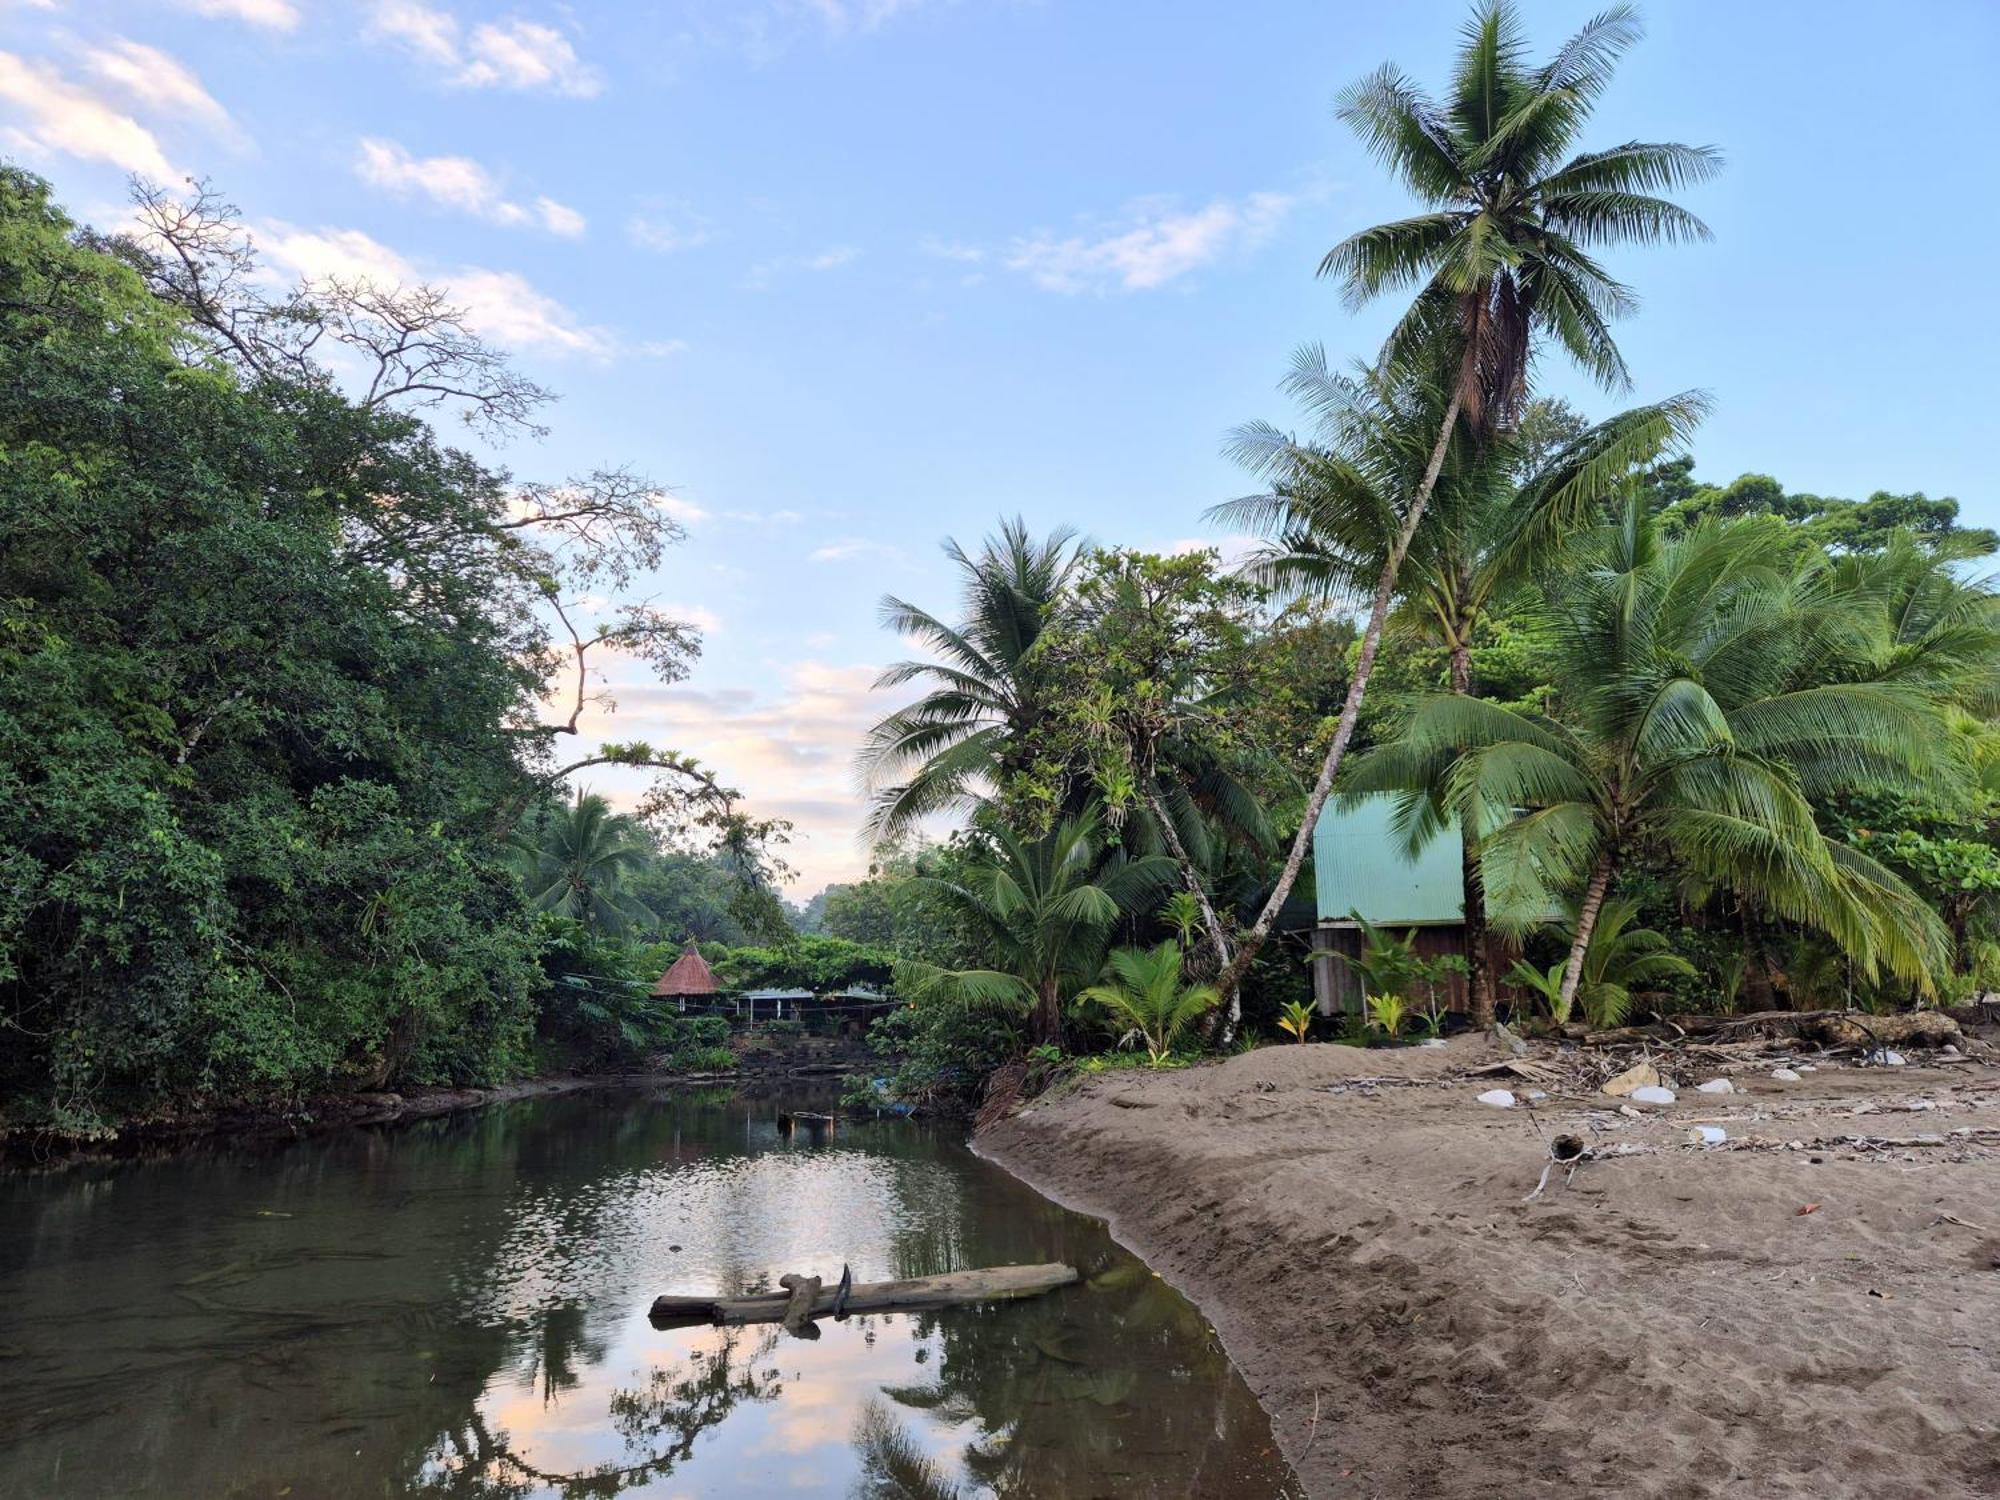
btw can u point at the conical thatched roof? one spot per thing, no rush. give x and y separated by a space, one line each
690 975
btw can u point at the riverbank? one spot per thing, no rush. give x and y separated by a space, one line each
765 1063
1673 1320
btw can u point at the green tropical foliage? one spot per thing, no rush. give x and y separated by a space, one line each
943 751
1704 703
1142 989
1043 910
1622 961
577 861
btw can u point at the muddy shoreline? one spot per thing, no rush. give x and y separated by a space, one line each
1672 1321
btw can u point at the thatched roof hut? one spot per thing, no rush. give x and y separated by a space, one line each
689 978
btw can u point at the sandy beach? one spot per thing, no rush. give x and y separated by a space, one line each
1811 1308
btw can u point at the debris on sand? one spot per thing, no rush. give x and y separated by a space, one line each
1498 1098
1638 1076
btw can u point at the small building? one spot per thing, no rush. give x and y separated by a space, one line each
689 978
775 1005
1360 866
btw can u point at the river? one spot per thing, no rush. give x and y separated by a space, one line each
456 1307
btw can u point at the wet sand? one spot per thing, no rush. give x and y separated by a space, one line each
1668 1321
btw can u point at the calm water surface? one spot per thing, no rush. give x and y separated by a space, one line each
457 1308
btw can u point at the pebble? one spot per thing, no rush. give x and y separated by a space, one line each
1626 1109
1715 1086
1886 1059
1498 1098
1652 1093
1784 1075
1707 1135
1536 1094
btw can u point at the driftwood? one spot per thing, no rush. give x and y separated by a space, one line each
999 1283
804 1291
1831 1028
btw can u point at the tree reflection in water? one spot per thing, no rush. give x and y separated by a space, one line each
457 1309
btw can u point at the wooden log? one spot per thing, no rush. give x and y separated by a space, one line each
1832 1028
804 1291
995 1284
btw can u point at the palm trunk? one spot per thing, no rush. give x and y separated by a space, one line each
1586 920
1478 972
1253 939
1193 881
1045 1027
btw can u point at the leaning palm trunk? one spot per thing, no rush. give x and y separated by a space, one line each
1586 922
1230 981
1211 923
1478 973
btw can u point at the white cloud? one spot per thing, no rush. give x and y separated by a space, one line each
156 82
830 259
457 182
685 511
846 549
277 15
664 348
958 250
511 54
681 230
502 305
1157 245
789 747
55 115
704 619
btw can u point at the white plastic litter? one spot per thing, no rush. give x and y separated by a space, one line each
1652 1093
1784 1075
1707 1135
1432 1041
1498 1098
1886 1059
1715 1086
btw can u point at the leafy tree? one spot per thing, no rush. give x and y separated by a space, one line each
1043 911
1696 719
1621 960
939 752
1500 261
1142 988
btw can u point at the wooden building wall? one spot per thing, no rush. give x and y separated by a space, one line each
1337 988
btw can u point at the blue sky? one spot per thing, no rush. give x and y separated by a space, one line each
856 275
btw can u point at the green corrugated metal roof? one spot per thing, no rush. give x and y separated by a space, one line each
1359 865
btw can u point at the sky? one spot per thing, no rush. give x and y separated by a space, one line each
855 276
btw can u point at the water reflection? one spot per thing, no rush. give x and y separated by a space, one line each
456 1308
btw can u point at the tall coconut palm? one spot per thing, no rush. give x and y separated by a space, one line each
939 751
1500 260
1333 494
1695 720
1044 909
575 861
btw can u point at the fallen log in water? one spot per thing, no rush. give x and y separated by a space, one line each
998 1283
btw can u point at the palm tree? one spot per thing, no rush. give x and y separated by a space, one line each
574 861
1142 988
1621 959
1695 718
1044 910
1500 260
1329 517
934 754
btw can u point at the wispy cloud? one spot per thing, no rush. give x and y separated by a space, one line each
1155 245
846 549
502 305
458 182
788 742
55 115
156 82
953 250
510 54
832 258
274 15
668 228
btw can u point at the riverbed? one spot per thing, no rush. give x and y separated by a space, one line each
456 1307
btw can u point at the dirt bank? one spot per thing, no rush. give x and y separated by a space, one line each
1668 1322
